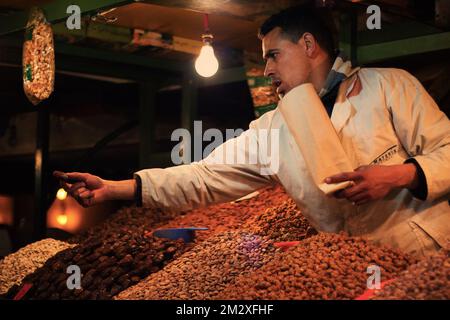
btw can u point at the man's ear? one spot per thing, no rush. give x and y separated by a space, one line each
309 44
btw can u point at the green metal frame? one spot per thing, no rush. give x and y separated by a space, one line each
56 12
63 49
119 57
390 42
394 32
404 47
348 35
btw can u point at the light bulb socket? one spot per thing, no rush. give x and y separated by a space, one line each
207 38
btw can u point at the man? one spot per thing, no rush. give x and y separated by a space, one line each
395 135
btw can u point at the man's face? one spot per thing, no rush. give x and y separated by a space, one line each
286 62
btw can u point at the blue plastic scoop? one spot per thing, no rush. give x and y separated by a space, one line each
187 234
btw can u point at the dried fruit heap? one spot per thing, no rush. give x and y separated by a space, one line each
127 217
205 270
281 223
229 216
429 279
108 266
325 266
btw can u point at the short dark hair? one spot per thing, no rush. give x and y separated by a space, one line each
295 21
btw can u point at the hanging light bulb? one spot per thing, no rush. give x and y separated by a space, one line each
61 194
206 64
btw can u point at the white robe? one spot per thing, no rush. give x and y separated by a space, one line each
382 116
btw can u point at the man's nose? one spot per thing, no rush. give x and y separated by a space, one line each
268 71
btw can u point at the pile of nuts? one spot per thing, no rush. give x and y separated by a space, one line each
206 269
324 266
38 59
14 267
108 266
228 216
429 279
281 223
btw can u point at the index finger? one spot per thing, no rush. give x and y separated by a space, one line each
76 177
70 177
60 175
63 178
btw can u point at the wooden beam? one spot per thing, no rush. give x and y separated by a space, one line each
170 42
56 11
254 10
98 31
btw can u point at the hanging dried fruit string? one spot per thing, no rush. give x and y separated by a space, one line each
38 59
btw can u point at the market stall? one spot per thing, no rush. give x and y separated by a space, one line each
105 87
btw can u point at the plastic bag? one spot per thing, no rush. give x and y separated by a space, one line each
38 58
